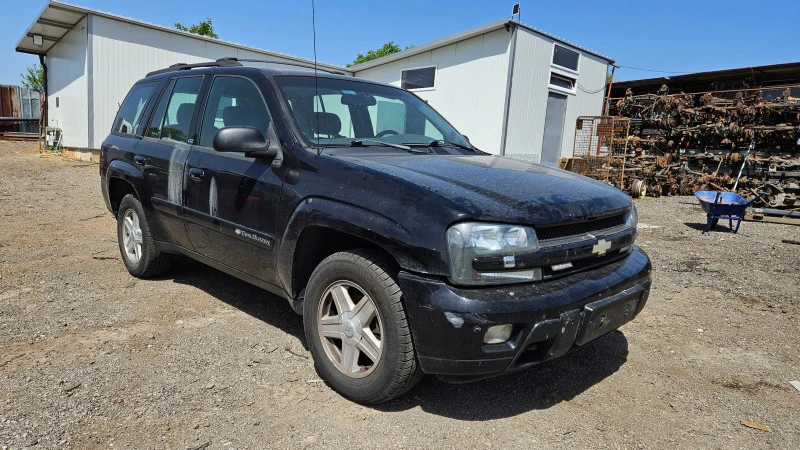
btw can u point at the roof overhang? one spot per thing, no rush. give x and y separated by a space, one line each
52 24
58 18
743 77
508 24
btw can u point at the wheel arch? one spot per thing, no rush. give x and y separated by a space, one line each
123 179
318 229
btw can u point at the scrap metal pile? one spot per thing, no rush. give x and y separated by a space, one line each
678 144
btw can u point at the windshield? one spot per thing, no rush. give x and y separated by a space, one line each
337 112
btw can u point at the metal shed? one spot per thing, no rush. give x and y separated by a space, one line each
513 89
94 57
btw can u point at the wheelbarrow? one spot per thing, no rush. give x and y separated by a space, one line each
724 205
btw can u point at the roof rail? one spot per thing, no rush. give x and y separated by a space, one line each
224 62
285 63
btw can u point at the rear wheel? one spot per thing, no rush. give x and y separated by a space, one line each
357 330
136 246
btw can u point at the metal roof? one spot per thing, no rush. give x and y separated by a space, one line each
741 78
57 18
493 26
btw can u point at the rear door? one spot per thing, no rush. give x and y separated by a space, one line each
231 202
162 154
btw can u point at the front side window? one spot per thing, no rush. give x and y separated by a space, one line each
233 102
566 58
336 112
173 114
130 113
424 77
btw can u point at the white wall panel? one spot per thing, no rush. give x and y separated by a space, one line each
67 86
588 100
470 83
532 69
123 53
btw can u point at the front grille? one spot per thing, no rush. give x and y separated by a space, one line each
573 229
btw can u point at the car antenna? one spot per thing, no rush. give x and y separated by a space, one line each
316 85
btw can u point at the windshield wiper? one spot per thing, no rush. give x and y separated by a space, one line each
439 142
364 142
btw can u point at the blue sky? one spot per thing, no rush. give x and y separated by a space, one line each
673 36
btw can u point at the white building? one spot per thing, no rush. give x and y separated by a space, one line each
512 89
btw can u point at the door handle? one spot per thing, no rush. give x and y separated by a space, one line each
139 160
196 174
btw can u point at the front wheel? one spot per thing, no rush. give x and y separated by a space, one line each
357 330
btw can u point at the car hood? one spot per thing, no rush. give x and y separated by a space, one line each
502 189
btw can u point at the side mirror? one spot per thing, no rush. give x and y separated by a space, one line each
465 137
247 140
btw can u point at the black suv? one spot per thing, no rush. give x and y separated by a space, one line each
406 249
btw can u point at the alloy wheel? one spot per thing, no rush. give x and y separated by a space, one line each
350 329
132 236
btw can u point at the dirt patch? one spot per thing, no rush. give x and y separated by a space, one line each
92 357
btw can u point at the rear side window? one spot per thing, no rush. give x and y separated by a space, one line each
173 114
130 113
233 102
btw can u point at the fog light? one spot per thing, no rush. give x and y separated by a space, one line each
497 334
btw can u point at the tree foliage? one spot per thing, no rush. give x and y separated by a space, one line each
33 77
387 49
204 28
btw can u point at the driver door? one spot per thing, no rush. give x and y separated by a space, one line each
231 202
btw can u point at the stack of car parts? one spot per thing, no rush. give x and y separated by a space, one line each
678 144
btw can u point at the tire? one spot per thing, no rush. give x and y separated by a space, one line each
142 260
333 334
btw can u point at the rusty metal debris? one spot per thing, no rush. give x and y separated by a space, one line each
679 144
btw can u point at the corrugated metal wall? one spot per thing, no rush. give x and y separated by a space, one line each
470 84
122 53
532 69
16 101
67 87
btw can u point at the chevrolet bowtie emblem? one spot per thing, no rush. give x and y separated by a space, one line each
601 247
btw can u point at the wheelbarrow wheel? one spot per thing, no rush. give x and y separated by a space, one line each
714 223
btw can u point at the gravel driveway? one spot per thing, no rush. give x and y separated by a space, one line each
91 357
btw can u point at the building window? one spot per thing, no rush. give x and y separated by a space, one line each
562 82
566 58
420 78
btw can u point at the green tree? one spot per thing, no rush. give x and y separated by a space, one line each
204 28
33 78
387 49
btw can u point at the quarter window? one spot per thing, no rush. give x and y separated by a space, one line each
173 114
233 102
424 77
130 113
566 58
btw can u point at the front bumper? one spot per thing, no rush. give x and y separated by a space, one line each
448 323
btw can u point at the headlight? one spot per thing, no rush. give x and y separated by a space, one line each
632 221
490 254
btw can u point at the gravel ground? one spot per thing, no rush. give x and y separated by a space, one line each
91 357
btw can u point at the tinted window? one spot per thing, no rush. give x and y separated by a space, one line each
565 58
233 102
173 113
130 113
418 78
